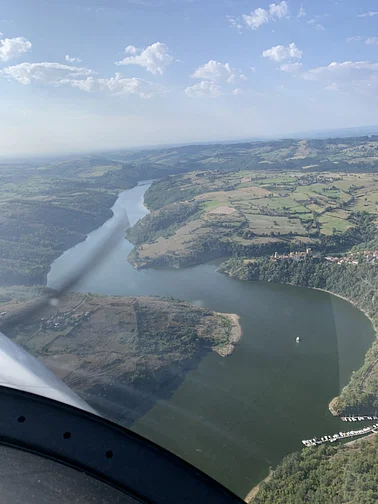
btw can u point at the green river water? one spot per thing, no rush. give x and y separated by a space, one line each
235 417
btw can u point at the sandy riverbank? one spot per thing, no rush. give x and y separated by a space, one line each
255 490
236 334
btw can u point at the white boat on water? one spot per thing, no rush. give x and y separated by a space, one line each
297 339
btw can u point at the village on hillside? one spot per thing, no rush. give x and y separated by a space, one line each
355 258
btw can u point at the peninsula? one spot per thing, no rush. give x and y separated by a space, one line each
120 354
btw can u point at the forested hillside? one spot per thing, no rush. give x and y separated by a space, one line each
325 475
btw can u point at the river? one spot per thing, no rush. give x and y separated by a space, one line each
235 417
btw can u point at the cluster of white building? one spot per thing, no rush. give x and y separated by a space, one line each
358 418
340 435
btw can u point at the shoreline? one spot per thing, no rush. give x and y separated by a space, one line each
236 334
349 301
332 403
255 490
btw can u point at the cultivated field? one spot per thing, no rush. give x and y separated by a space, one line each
257 208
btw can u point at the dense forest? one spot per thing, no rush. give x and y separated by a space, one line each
325 475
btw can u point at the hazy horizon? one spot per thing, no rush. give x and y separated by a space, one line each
137 73
321 133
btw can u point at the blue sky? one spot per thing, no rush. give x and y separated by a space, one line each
77 75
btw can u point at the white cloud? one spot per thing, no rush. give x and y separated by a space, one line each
234 23
368 40
252 68
291 67
281 53
154 58
371 41
46 73
256 18
116 85
237 92
355 38
216 71
343 70
332 87
350 76
368 14
130 49
83 78
301 12
204 89
71 59
11 48
279 10
90 84
260 16
314 21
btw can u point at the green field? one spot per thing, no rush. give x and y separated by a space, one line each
330 223
245 210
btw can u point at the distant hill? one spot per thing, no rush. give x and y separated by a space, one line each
355 131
